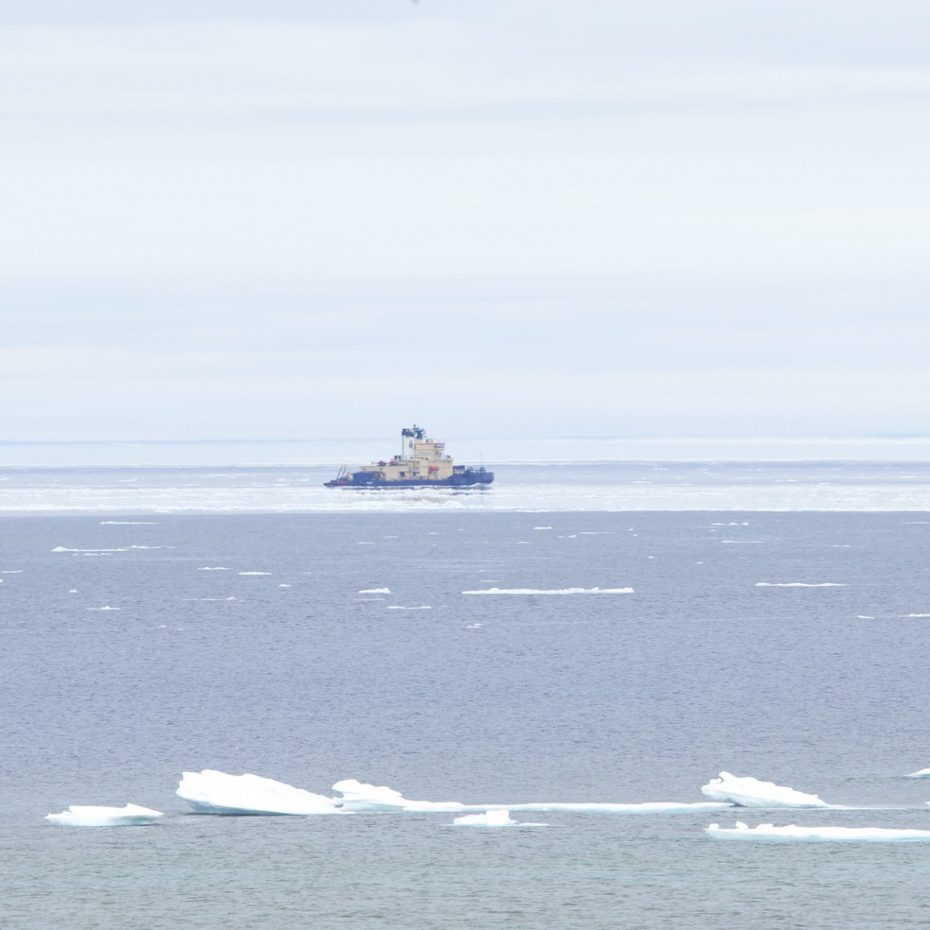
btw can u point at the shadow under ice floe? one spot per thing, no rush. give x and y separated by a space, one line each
769 833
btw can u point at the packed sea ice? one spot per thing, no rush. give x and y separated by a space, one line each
750 792
86 815
213 792
792 833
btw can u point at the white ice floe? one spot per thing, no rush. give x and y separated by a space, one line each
792 833
85 815
610 807
105 607
95 551
552 591
401 607
751 792
492 818
744 523
11 571
213 792
915 616
375 591
128 523
864 617
360 796
253 573
542 527
920 773
283 585
213 568
800 584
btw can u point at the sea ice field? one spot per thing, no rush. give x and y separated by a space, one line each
618 663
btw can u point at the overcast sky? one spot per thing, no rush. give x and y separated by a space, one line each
530 217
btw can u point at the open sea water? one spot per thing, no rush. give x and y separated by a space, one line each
274 663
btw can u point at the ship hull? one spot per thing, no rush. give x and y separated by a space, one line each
470 478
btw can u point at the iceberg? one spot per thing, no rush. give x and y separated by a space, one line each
750 792
360 796
213 792
86 815
792 833
491 818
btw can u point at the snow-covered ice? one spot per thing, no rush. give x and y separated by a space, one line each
213 792
213 568
551 591
792 833
86 815
920 773
375 591
360 796
751 792
253 573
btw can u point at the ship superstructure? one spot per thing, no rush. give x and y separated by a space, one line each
422 462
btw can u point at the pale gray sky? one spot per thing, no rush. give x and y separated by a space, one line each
540 217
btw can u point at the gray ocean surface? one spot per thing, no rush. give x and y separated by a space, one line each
710 663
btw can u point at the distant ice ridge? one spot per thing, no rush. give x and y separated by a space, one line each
80 815
750 792
213 792
552 591
791 833
799 584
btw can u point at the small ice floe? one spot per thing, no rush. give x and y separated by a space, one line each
551 591
11 571
85 815
792 833
495 818
920 773
864 617
89 551
611 807
401 607
72 591
213 792
800 584
472 626
253 573
213 568
744 523
751 792
360 796
375 591
742 542
105 607
127 523
916 616
283 585
540 528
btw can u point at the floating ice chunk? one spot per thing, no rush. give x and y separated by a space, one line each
360 796
799 584
213 792
127 523
375 591
792 833
213 568
85 815
542 527
744 523
915 616
94 551
105 607
750 792
493 818
401 607
283 585
552 591
920 773
253 573
11 571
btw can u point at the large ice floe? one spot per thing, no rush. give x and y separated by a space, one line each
87 815
792 833
750 792
213 792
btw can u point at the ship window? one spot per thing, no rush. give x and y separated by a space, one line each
403 474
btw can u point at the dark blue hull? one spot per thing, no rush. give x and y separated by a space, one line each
468 478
